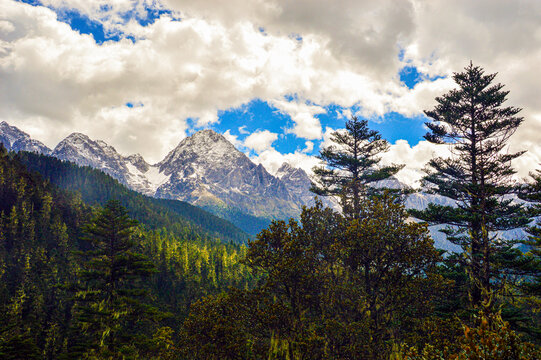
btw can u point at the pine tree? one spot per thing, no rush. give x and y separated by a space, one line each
477 176
111 313
352 164
532 194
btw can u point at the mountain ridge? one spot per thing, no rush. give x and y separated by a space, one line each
15 139
206 170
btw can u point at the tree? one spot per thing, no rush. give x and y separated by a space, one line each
352 164
390 267
333 287
110 312
477 176
532 194
529 284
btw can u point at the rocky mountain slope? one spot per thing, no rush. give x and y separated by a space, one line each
17 140
208 171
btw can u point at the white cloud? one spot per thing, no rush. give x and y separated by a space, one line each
309 147
233 139
55 80
260 141
272 160
306 125
242 130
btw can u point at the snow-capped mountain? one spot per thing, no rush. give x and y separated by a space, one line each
17 140
207 170
132 171
298 182
204 169
82 150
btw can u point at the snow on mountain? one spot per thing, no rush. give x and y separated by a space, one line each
132 171
298 182
17 140
82 150
207 170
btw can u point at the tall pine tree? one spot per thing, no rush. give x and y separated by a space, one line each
472 120
111 314
352 164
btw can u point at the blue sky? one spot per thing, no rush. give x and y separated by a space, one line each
257 114
273 75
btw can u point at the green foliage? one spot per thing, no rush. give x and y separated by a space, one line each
334 287
96 188
352 164
40 233
110 312
532 264
473 122
490 339
36 222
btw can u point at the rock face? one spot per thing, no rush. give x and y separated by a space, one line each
207 170
82 150
17 140
132 171
298 182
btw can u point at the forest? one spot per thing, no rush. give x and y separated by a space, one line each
92 270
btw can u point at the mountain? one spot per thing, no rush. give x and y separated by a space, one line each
204 169
132 171
17 140
297 181
207 170
96 188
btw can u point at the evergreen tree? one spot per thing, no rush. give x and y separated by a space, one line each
352 164
532 194
477 176
334 288
111 314
529 271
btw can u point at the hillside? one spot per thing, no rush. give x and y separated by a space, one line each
96 188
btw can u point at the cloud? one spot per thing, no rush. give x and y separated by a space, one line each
233 139
242 130
260 141
309 147
306 125
272 160
224 54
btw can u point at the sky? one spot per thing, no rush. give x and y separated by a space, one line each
276 77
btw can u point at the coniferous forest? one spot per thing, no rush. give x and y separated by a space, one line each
92 270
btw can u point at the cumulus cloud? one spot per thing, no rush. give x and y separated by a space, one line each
260 141
272 160
233 139
306 125
224 54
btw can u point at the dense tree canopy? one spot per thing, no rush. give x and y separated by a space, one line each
78 280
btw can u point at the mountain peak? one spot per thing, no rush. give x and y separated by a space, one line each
285 169
15 139
207 132
205 146
207 137
76 136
